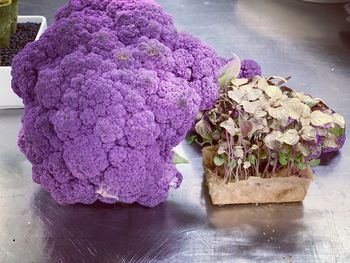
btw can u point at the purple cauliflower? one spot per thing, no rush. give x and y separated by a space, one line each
249 69
109 90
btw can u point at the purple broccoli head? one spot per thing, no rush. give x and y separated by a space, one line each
249 69
109 90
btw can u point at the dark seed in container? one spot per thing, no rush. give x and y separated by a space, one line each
26 33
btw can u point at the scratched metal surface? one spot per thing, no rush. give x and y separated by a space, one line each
311 42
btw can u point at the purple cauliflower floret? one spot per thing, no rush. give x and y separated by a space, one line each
109 90
249 69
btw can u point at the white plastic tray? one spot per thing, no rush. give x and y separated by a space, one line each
8 99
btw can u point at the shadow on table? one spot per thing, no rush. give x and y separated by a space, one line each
273 228
111 233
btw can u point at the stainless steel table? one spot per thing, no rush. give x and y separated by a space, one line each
311 42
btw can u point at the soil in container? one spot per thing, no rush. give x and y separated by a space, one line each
25 33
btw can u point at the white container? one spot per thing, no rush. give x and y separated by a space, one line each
8 99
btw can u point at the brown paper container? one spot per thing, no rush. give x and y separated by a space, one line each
254 189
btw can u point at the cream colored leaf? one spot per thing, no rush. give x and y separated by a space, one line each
255 80
330 141
305 151
322 131
258 124
305 118
280 114
319 118
245 115
280 101
239 82
272 140
284 98
260 114
290 137
279 80
230 126
246 165
254 147
294 107
252 94
264 99
238 152
275 124
236 95
306 99
308 133
339 120
273 92
306 111
249 85
262 83
305 121
251 107
222 148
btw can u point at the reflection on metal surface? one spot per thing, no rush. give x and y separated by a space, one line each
33 228
122 232
276 228
347 9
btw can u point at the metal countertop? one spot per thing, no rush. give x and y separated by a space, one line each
309 41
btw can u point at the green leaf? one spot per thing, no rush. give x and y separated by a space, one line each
251 159
263 155
299 158
301 166
229 71
191 138
337 131
218 161
207 140
283 158
315 162
223 80
304 150
233 164
177 159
